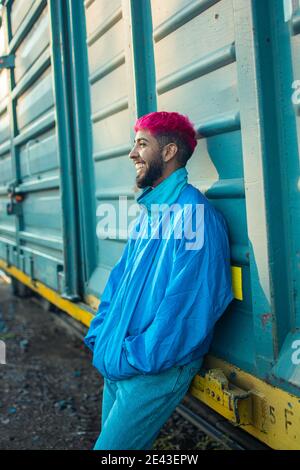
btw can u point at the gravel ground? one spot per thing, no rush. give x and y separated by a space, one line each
50 394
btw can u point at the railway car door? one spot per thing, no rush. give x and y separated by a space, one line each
31 223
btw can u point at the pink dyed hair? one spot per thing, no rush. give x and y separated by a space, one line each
163 122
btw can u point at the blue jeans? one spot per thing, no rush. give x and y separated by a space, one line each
134 410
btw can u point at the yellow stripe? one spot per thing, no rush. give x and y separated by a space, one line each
236 274
76 311
273 416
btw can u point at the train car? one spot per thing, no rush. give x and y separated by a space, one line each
74 76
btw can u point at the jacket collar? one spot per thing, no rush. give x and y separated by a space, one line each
167 192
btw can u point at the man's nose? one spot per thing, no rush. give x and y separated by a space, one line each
133 153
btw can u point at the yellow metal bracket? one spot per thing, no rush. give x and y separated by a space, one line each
215 391
266 412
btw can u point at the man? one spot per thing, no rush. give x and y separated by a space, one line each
157 312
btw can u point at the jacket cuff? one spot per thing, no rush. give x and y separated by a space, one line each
89 341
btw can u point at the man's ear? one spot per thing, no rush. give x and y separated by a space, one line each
169 152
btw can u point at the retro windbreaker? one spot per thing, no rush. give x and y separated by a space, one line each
165 294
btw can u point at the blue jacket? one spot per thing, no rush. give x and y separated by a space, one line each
162 300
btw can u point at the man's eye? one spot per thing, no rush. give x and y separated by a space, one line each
142 144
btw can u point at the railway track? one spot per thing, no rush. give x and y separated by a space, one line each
217 427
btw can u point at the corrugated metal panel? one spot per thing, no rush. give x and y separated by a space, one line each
110 103
34 161
37 40
7 224
19 11
35 101
4 126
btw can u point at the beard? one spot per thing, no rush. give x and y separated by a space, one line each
151 174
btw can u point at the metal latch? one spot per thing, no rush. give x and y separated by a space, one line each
214 390
14 207
7 61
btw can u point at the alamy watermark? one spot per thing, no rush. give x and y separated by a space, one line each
296 353
159 221
296 94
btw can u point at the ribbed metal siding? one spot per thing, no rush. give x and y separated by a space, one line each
19 10
111 121
7 224
34 162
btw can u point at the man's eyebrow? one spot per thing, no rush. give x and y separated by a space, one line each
139 139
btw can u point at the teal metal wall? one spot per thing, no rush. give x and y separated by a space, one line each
111 119
32 240
7 224
84 72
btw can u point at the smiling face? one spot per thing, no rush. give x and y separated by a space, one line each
148 159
